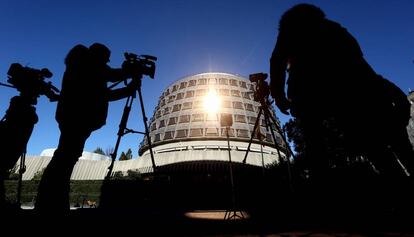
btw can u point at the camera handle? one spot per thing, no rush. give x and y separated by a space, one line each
264 103
124 130
6 85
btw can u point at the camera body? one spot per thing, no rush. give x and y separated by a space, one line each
138 65
256 77
31 81
262 89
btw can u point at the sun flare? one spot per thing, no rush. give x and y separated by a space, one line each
212 102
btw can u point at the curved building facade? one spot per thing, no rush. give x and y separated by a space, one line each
186 124
186 132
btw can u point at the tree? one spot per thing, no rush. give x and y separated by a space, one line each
126 156
109 151
99 150
38 175
123 156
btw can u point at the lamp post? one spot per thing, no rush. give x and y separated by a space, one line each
226 121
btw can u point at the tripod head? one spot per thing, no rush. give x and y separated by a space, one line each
261 91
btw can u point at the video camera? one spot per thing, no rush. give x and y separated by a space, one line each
262 89
31 81
138 65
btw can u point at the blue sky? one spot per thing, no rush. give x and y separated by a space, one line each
188 37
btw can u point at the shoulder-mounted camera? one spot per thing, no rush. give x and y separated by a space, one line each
31 81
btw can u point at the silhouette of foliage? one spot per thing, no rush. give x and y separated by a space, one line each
127 155
38 175
99 150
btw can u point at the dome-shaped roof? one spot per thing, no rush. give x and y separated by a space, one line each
181 113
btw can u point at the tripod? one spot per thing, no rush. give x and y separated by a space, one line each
264 109
124 130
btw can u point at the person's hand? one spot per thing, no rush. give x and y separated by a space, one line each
283 104
53 97
133 85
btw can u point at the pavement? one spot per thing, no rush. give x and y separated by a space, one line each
152 222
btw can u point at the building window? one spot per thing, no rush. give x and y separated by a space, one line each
201 92
153 127
184 119
223 81
157 137
175 88
180 96
202 81
187 105
158 114
192 83
162 124
183 85
269 137
189 94
242 133
239 118
223 132
233 82
223 92
196 132
197 104
226 104
176 108
167 110
168 135
249 107
167 92
162 103
212 117
246 95
263 122
212 81
171 98
237 105
198 118
211 131
181 133
235 93
243 84
172 121
252 120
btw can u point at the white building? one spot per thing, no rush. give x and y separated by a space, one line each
186 131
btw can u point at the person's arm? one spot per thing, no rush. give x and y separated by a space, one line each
278 66
116 75
130 89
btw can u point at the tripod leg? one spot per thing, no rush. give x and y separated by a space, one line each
146 129
252 135
267 115
121 131
22 169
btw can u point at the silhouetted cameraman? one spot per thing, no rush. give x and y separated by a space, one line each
17 125
329 80
82 109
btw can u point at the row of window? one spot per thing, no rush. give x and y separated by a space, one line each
209 81
199 104
238 118
207 132
203 92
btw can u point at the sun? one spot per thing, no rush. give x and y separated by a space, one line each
212 102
